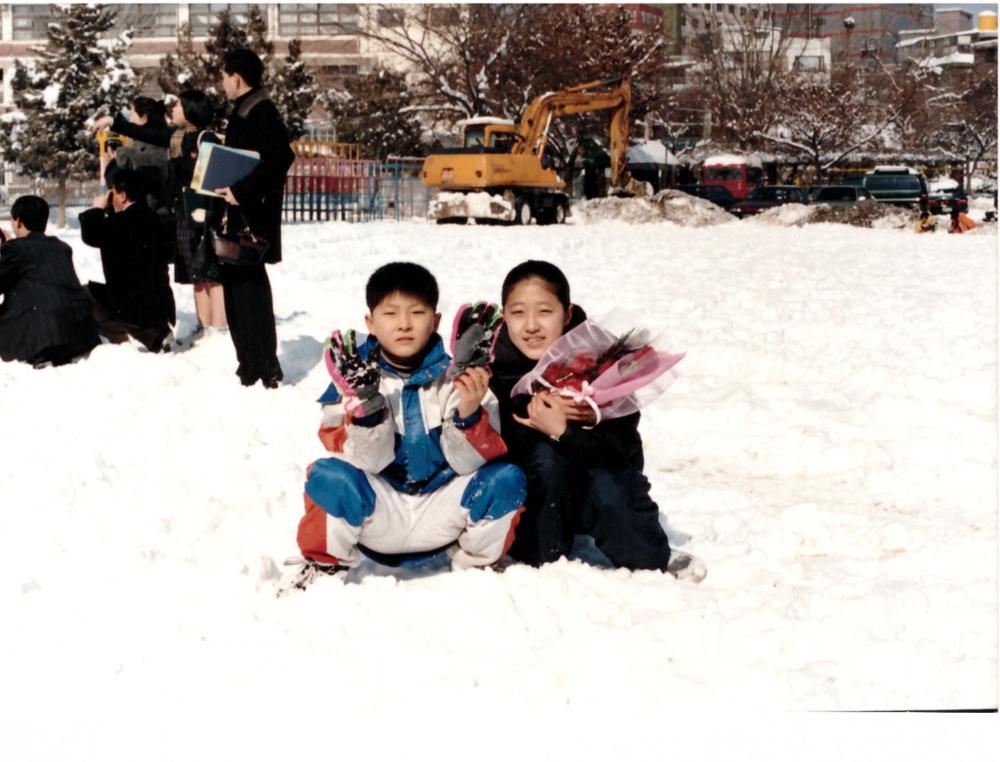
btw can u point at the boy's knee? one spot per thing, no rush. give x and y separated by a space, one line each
341 490
495 490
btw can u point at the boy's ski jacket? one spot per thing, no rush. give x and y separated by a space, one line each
420 443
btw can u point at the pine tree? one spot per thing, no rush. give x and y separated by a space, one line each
189 69
77 73
376 111
293 90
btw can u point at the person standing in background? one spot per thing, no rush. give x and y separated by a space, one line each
255 203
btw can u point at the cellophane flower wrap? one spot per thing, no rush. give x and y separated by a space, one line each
615 374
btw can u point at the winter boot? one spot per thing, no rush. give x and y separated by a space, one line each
686 567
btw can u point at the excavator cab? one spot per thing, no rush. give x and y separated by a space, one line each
487 132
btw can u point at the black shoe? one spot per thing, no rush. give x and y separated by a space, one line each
271 383
306 574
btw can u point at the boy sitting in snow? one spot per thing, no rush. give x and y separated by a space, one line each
410 473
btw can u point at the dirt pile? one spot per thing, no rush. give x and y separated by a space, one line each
867 214
666 206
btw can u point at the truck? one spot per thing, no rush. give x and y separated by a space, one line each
501 173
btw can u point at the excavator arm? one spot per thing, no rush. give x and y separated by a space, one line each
615 94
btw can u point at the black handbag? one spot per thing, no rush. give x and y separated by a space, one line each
242 247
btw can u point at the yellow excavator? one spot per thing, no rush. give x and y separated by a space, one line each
501 173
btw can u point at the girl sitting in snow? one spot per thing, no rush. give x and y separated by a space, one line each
580 479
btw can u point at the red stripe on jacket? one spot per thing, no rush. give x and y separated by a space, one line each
485 438
334 437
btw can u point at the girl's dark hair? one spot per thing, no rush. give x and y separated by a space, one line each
197 108
154 111
545 271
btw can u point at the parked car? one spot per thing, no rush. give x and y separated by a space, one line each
900 188
768 197
838 195
944 200
717 194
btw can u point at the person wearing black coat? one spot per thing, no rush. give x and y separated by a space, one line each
45 316
581 479
254 203
136 299
193 262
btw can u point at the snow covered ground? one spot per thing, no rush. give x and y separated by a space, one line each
830 449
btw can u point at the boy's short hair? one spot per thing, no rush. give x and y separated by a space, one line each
246 63
129 182
32 212
403 277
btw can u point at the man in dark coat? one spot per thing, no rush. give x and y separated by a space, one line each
45 315
255 201
136 299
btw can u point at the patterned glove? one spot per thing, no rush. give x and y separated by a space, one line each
357 379
473 337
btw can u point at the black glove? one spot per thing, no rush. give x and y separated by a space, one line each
477 327
356 378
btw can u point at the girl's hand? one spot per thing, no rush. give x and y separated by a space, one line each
103 123
545 414
472 387
575 411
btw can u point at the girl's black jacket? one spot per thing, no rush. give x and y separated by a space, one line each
180 165
611 444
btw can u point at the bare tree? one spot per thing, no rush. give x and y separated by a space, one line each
741 73
492 60
966 128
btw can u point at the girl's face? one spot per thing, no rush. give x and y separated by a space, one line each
534 316
134 117
177 115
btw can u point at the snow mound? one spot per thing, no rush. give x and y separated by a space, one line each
863 215
666 206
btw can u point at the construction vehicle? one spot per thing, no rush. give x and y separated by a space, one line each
501 173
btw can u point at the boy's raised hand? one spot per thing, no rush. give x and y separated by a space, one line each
356 378
477 326
472 386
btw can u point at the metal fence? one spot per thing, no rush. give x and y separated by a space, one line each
404 196
323 188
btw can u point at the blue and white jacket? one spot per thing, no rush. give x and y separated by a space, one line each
421 443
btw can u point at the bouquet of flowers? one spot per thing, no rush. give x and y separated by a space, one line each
615 375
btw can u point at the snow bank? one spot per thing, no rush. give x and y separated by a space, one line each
668 205
830 449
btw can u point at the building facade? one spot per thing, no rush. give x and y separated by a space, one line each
331 46
855 32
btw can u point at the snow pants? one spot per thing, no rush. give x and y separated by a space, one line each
346 507
612 505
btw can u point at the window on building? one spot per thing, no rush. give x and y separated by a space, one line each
444 16
390 17
30 22
203 16
149 20
809 63
310 20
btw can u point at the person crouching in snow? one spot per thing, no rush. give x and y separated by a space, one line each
960 222
582 478
926 223
410 474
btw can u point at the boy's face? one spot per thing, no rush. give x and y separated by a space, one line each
403 325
